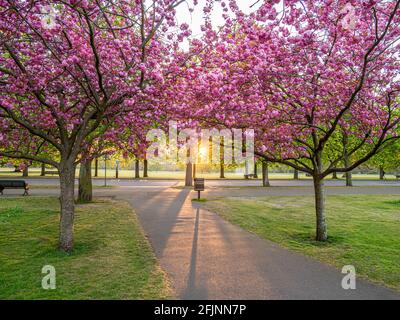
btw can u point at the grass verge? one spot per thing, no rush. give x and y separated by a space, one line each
112 258
364 230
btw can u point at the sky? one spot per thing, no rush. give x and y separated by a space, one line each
195 19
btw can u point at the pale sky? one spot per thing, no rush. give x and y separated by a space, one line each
195 19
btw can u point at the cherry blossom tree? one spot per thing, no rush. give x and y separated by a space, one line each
69 69
303 74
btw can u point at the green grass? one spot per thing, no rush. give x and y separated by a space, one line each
199 200
112 258
364 230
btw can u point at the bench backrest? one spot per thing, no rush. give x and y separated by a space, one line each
12 183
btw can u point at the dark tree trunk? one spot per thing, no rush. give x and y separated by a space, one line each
221 159
296 174
265 174
194 170
96 167
349 179
221 170
381 173
348 175
67 182
255 171
85 192
334 175
189 175
43 170
145 168
322 232
25 172
137 169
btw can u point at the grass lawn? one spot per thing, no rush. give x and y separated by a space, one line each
112 258
364 230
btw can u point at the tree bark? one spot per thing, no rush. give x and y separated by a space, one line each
349 179
67 182
145 168
334 175
137 169
221 170
348 175
96 167
381 173
43 170
321 232
189 175
25 172
221 160
296 174
255 170
85 191
265 175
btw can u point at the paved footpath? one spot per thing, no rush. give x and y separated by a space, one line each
209 258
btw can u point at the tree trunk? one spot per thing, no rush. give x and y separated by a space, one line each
67 182
194 170
137 169
85 192
43 170
296 174
334 175
221 171
189 175
96 167
25 172
349 180
255 170
265 175
381 173
349 176
322 232
221 160
145 168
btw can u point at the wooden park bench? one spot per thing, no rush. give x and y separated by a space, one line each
14 184
248 176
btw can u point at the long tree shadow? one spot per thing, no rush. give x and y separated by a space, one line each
193 291
159 214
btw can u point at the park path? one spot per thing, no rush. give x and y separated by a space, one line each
209 258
